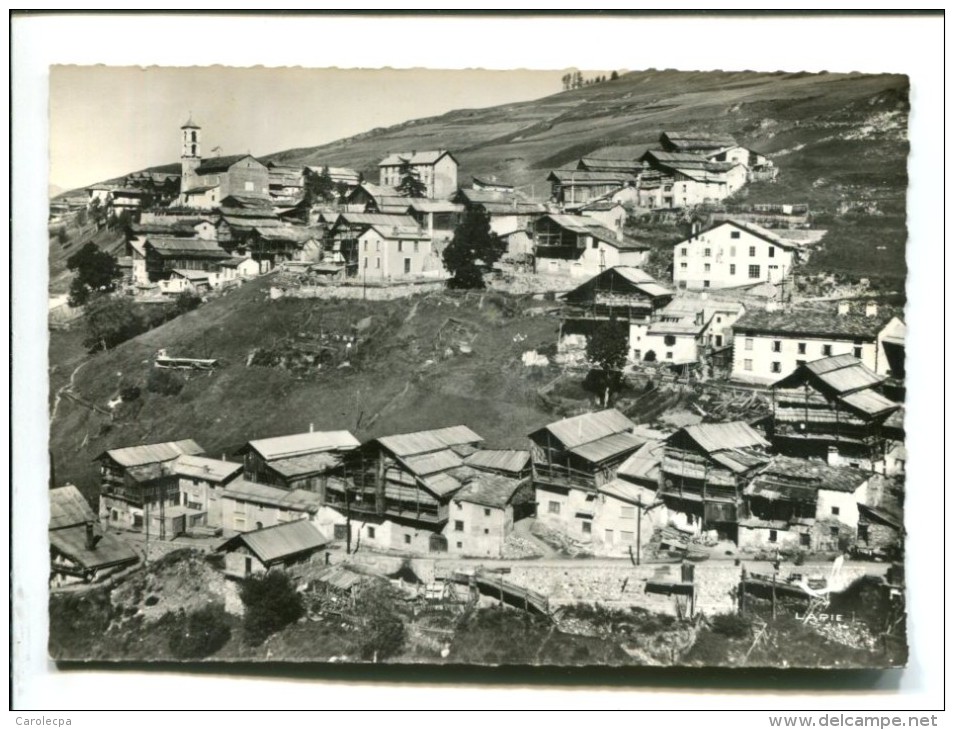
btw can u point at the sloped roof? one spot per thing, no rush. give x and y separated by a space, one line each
298 466
192 274
109 549
299 500
220 164
200 467
296 234
376 219
581 224
846 378
426 205
491 490
597 164
755 230
643 465
68 507
196 247
628 492
426 157
700 141
279 447
608 447
812 323
152 453
432 462
715 437
421 442
811 473
587 177
509 460
400 233
272 544
869 402
512 202
578 430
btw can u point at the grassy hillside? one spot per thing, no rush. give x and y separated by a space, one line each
390 387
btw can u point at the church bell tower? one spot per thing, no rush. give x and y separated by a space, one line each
190 154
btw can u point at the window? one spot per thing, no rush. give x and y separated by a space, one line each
595 244
826 350
748 343
705 283
460 546
669 355
863 533
458 525
416 244
370 533
771 252
836 510
400 246
834 531
735 234
407 539
801 348
707 253
626 537
377 245
553 508
718 340
486 531
683 266
718 320
747 364
755 271
776 367
486 512
365 245
365 262
249 187
627 512
799 363
857 352
587 527
708 267
773 536
341 532
684 251
751 250
776 345
609 537
805 539
669 340
377 262
407 266
731 269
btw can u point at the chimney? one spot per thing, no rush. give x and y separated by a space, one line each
871 309
311 428
833 455
844 308
91 538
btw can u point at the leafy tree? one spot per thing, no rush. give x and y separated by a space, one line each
96 270
411 185
614 76
186 301
199 633
384 632
110 321
473 242
62 236
606 352
97 212
164 382
271 603
319 187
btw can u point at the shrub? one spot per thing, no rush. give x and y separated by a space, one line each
384 637
731 625
129 393
650 356
186 301
164 382
200 633
271 603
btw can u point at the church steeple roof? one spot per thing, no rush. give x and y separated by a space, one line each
190 124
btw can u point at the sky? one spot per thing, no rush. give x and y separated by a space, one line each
108 121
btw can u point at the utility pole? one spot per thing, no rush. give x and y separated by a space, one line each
639 530
347 520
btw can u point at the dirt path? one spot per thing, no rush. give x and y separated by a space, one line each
64 389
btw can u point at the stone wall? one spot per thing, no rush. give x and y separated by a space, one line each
358 290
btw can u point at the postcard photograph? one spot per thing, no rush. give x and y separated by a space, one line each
606 367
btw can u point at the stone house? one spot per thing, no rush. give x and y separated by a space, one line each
397 252
297 461
284 547
482 514
248 506
577 246
436 169
202 482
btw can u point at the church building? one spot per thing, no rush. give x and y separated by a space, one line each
206 182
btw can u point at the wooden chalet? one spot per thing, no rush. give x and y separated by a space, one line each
512 463
570 187
164 255
283 547
297 461
406 479
704 470
832 408
623 292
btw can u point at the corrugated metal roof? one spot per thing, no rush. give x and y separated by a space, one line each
200 467
643 465
152 453
271 544
68 508
426 157
298 466
279 447
844 373
628 492
491 490
109 550
713 437
578 430
432 462
508 460
608 447
422 442
869 402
